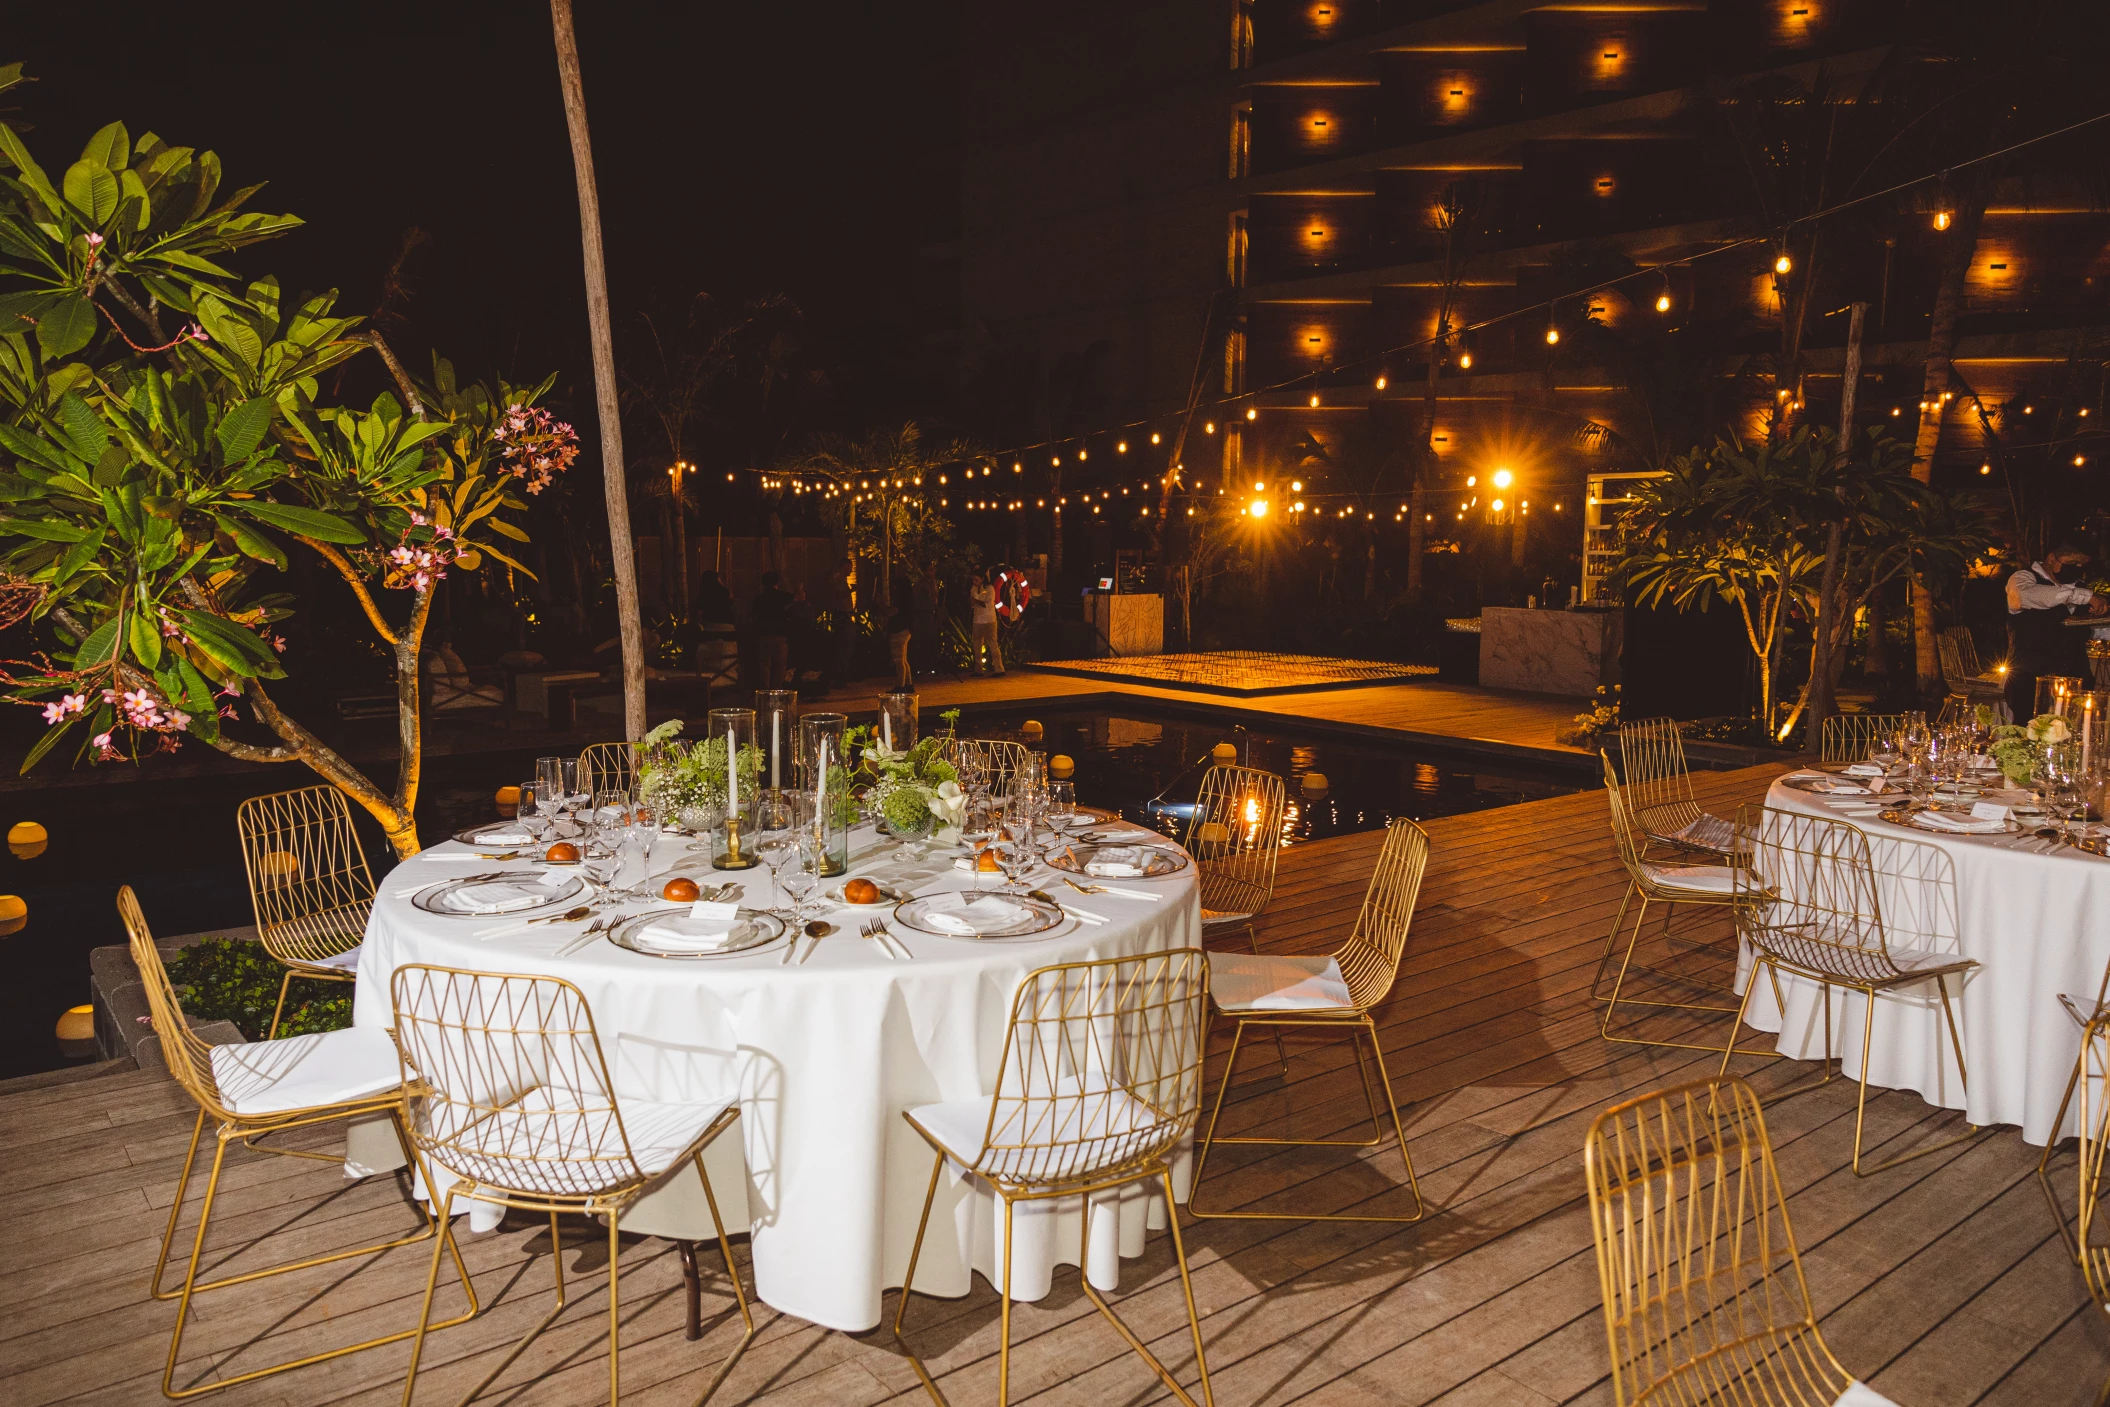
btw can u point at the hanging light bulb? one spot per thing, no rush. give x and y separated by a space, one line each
1208 427
1380 383
1465 361
1941 219
1252 413
1553 334
1153 437
1315 400
1662 302
1783 264
1121 447
1083 454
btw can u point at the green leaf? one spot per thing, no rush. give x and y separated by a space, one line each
36 451
47 529
78 556
252 542
82 428
92 190
31 305
229 331
197 694
243 429
306 522
146 639
230 646
32 174
47 743
96 648
111 147
66 329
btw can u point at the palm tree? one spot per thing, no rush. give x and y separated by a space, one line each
613 466
890 481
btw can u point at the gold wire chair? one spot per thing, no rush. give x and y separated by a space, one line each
608 767
251 1090
2084 1016
1704 1296
1659 788
308 884
1099 1086
1850 737
1001 758
1654 882
1962 672
1331 993
2092 1251
1807 903
1235 837
508 1096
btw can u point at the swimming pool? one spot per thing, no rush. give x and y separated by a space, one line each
1148 765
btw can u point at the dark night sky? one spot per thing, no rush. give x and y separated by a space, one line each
741 149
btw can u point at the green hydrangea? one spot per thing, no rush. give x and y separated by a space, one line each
904 809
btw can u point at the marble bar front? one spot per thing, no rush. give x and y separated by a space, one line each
1568 653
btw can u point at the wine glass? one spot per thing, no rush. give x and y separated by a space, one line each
799 877
531 813
774 842
598 862
1062 805
1015 858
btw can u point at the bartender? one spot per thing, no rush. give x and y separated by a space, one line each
2040 598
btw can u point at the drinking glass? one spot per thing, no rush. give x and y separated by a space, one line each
798 879
644 832
610 815
775 818
599 863
1062 804
1017 861
533 816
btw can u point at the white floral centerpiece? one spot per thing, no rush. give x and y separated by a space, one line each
2019 749
915 793
686 780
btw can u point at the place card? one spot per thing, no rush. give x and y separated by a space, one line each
1988 811
705 912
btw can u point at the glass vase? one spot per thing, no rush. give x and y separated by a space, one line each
896 728
777 730
733 841
824 775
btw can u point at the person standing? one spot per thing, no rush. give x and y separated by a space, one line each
988 655
900 629
2040 599
772 621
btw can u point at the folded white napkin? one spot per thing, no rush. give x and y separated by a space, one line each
704 928
1119 861
501 896
972 915
1962 825
503 837
1864 769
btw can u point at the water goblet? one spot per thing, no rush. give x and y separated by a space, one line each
599 864
1061 805
1017 860
532 813
799 880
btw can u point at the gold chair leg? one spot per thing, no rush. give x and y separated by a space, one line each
615 1318
176 1211
1868 1021
432 1281
556 1257
725 1250
908 1281
279 1010
1356 1031
1611 1003
1084 1249
1003 1351
2051 1144
1611 941
190 1276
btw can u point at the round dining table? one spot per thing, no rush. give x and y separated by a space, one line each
2034 916
823 1053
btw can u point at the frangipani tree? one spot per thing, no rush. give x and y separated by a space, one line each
149 490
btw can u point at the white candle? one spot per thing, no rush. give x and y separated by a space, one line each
2087 728
732 769
886 730
776 750
820 791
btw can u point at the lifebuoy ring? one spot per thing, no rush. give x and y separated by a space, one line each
1013 594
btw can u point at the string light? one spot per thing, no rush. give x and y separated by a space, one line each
1465 361
1208 427
1253 412
1662 302
1783 264
1553 335
1315 400
1083 454
1941 219
1121 448
1380 382
1154 437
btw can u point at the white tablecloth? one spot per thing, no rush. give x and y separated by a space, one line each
825 1056
2037 924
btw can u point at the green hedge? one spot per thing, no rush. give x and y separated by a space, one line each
234 979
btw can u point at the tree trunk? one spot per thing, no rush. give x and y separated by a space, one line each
678 520
886 555
1962 241
1424 469
622 550
1832 632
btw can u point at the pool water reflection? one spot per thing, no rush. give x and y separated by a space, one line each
1149 768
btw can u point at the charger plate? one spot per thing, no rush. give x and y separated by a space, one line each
752 929
442 898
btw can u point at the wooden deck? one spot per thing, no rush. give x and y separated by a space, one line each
1941 1282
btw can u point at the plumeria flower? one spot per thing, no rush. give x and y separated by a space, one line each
67 705
95 241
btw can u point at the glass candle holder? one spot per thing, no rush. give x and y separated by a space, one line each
896 728
777 731
824 775
2056 693
732 843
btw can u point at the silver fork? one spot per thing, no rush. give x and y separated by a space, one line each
593 930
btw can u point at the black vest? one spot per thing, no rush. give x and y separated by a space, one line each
2039 641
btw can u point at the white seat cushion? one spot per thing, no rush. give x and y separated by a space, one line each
540 1141
1216 916
1860 1394
346 961
1707 832
306 1072
1702 879
1245 983
1081 1110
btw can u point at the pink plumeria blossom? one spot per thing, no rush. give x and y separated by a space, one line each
67 706
534 445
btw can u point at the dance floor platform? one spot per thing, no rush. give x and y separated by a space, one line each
1245 673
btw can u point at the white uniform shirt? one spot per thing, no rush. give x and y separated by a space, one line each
2034 590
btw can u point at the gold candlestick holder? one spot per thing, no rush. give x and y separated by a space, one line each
732 857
